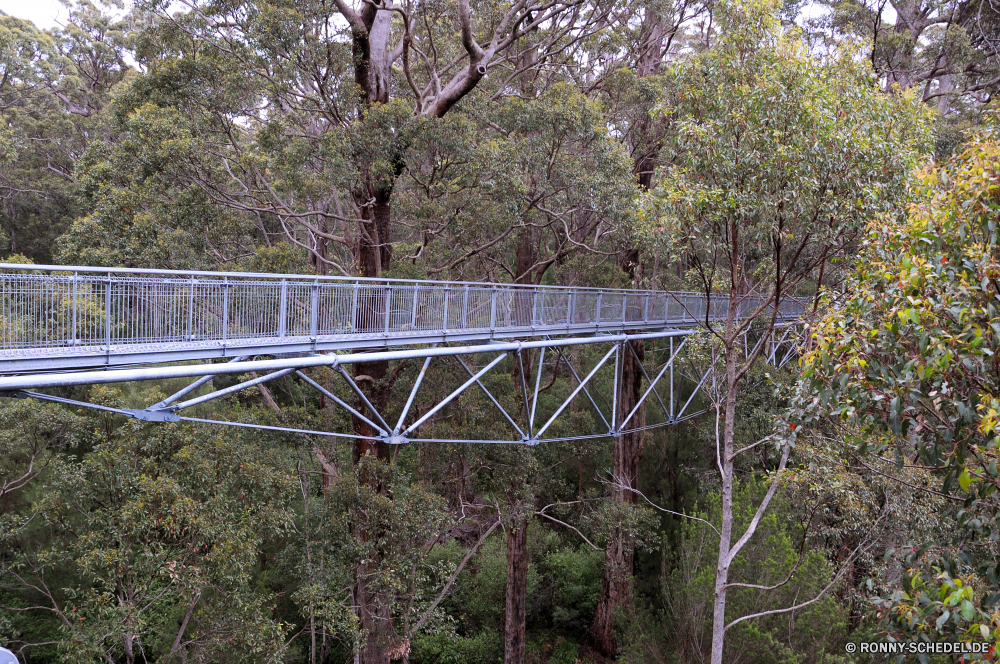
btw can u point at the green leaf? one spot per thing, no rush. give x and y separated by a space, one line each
968 611
942 619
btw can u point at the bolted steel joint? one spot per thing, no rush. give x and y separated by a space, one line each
158 415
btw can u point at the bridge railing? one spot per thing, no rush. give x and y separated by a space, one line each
54 306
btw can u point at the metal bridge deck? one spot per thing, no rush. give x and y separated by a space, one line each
69 317
58 324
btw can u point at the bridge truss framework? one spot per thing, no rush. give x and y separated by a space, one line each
58 324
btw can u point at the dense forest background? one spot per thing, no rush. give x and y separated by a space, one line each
844 152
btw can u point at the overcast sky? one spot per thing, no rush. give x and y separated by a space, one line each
49 13
43 13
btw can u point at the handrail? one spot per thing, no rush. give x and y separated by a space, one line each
89 269
69 307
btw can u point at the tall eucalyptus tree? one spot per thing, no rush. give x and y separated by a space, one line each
777 160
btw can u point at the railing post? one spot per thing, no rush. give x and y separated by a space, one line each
283 309
354 306
388 304
493 310
413 318
314 312
190 334
225 309
76 279
569 307
645 309
600 296
534 307
465 308
444 324
107 313
624 306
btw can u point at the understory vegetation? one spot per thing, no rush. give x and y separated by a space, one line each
824 484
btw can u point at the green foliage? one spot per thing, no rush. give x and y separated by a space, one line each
384 535
240 141
905 362
54 86
144 209
144 529
772 557
774 154
483 648
905 51
480 588
576 580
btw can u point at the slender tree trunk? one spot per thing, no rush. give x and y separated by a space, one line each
320 248
374 254
375 620
517 553
517 585
946 84
129 655
524 259
726 530
375 232
616 584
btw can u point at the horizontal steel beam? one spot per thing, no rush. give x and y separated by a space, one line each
49 359
186 371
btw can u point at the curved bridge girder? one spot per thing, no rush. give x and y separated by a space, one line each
56 318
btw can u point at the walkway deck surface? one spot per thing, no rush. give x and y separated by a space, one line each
55 318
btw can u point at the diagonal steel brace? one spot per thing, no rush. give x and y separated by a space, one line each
491 397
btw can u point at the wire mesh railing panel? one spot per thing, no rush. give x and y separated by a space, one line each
369 316
335 307
584 307
555 307
429 309
455 299
33 312
46 308
254 310
635 308
658 303
155 313
479 310
208 314
692 308
400 304
610 307
298 310
517 308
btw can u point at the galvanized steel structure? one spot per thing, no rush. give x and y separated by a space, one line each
72 325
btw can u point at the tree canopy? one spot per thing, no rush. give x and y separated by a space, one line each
831 492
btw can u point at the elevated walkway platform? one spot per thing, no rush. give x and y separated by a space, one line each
56 318
74 325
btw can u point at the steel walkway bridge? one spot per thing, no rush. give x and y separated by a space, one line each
64 326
